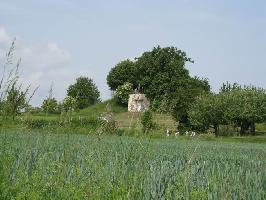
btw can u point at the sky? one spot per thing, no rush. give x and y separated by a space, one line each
61 40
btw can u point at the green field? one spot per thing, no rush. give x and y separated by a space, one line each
34 165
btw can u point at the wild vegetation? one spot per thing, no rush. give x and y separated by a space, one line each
81 148
235 106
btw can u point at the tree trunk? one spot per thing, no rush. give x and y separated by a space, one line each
252 128
216 130
244 128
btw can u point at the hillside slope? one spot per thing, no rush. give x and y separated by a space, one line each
124 118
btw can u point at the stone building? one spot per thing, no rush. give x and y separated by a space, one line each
138 103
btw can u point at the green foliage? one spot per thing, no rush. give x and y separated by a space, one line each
50 106
181 100
161 70
241 107
15 102
90 123
122 93
147 121
69 104
162 76
227 87
124 71
84 91
208 110
64 166
107 122
13 98
245 107
38 123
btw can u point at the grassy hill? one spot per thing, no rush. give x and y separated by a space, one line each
124 118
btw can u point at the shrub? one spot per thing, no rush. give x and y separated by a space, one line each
122 93
38 123
69 104
147 121
49 105
108 124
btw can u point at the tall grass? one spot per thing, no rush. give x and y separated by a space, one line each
63 166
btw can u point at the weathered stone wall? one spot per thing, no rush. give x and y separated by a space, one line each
138 103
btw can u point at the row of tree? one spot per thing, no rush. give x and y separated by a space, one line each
162 76
235 105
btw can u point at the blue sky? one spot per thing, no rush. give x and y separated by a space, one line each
61 40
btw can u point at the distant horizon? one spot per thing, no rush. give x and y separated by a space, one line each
60 41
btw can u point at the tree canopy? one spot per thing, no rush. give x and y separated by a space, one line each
84 91
49 105
234 105
123 72
162 76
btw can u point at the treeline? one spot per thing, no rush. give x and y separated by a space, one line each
162 75
237 106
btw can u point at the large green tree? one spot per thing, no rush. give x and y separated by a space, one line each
162 75
84 91
161 71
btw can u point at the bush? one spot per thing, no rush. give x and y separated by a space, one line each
122 93
69 104
77 122
49 105
108 123
92 122
147 121
38 123
227 130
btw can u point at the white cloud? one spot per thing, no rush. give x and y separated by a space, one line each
41 65
5 38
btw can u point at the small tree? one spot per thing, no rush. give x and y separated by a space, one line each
84 91
13 96
69 105
49 105
206 111
14 103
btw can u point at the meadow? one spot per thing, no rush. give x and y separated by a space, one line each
38 165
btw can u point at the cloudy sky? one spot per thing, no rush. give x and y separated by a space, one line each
61 40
